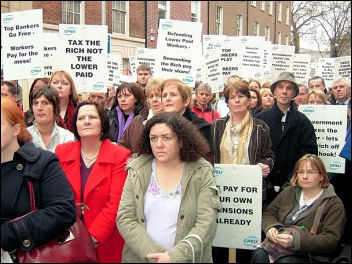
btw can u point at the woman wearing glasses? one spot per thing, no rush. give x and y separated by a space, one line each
297 205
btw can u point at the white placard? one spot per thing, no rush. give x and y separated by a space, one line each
282 60
230 57
83 53
21 34
176 34
267 60
211 42
343 67
213 69
313 69
239 219
330 124
51 53
146 56
252 54
301 67
326 70
133 62
113 64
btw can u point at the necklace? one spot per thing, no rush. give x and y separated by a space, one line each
88 161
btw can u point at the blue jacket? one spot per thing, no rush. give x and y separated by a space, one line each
53 195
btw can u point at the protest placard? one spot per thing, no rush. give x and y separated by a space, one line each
301 67
252 56
211 42
239 219
113 66
179 35
330 123
213 69
146 56
313 69
343 67
267 58
326 70
133 66
22 33
83 53
282 60
230 57
51 53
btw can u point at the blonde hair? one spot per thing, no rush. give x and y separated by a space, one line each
314 161
318 93
265 91
73 95
153 84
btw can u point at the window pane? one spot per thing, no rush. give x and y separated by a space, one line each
77 20
123 28
162 13
123 6
69 18
162 4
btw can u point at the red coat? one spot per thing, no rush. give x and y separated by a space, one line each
102 193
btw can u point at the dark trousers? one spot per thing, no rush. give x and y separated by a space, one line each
261 256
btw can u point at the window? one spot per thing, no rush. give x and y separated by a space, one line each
218 20
163 10
279 12
125 64
71 12
119 15
255 28
262 5
253 3
279 38
287 15
239 24
195 11
270 7
267 33
287 39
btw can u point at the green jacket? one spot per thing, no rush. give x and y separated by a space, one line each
331 225
197 214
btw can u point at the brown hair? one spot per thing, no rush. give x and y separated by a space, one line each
73 95
259 96
184 90
51 95
239 87
14 116
104 120
138 93
193 143
256 81
314 161
144 67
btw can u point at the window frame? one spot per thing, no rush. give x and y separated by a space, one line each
198 14
126 13
239 25
65 12
219 30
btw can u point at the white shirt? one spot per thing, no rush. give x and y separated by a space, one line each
161 211
59 135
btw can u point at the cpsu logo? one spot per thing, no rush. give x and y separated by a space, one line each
166 25
36 71
250 241
335 165
217 45
217 171
7 19
187 79
69 31
98 86
308 110
140 52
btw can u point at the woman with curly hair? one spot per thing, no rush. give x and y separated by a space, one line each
169 193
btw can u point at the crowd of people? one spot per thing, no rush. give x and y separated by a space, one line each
139 159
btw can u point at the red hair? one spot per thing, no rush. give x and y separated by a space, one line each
14 116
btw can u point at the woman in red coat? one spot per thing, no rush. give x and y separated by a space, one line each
95 168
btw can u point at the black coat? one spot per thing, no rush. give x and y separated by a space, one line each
297 138
53 196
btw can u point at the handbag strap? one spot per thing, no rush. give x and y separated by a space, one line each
317 217
32 196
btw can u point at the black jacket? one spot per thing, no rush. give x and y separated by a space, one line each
53 196
297 138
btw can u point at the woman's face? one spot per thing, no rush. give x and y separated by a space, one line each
172 100
308 176
43 111
126 101
154 101
203 97
8 132
38 84
164 143
62 85
88 122
315 100
238 103
253 85
267 100
254 100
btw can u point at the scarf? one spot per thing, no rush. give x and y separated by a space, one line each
232 146
123 124
66 123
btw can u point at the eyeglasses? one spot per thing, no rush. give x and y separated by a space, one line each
309 172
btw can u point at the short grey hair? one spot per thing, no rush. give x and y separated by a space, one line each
203 86
342 79
303 85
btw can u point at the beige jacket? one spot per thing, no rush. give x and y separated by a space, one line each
197 214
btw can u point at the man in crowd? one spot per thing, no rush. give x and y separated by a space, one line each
110 96
144 72
8 89
302 95
98 97
317 82
292 134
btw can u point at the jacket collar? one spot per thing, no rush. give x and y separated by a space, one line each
28 152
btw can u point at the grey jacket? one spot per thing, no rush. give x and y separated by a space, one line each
197 214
